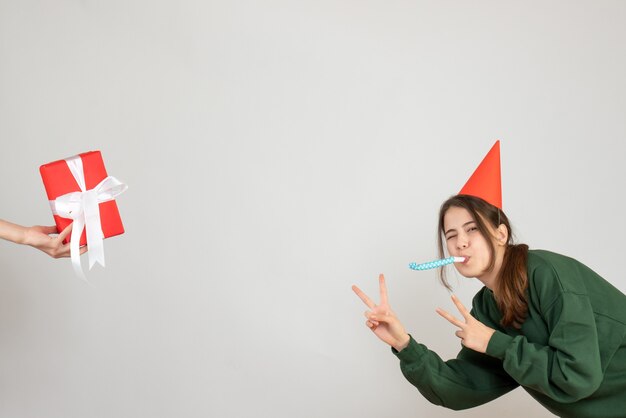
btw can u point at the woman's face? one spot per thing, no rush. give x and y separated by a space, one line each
463 239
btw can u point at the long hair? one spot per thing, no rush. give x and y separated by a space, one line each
510 291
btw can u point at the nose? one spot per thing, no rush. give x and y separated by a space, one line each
462 242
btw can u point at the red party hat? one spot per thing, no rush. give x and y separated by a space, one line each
486 181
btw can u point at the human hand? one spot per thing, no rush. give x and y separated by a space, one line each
39 237
473 333
381 319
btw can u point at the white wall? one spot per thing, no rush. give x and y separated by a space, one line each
277 153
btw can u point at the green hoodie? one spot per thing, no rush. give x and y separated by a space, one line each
570 353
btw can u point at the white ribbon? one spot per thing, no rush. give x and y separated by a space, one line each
83 208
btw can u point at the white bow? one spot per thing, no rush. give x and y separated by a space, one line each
83 208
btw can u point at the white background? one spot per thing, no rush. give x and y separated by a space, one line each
276 153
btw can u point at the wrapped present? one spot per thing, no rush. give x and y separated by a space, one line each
80 191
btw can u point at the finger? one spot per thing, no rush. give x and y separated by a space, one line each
450 318
371 325
459 334
65 250
48 229
370 317
461 308
384 318
65 232
62 250
383 289
370 304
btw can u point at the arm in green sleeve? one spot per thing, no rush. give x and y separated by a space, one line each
569 367
470 380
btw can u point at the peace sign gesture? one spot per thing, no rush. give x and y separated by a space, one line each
381 319
473 333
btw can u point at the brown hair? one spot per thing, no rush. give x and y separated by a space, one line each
510 291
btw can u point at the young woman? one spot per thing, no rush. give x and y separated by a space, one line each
542 321
38 237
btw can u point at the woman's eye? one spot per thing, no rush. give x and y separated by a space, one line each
449 237
472 228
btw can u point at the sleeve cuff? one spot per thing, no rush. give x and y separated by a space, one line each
411 353
498 344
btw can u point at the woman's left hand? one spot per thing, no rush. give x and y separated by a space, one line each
473 333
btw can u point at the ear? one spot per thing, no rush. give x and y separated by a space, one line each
502 235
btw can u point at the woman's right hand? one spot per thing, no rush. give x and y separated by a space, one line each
40 237
381 319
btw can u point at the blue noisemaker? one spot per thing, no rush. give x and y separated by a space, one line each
437 263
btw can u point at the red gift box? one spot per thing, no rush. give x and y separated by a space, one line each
58 180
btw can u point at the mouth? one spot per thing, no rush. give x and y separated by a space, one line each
466 259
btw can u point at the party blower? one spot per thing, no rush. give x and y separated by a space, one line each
437 263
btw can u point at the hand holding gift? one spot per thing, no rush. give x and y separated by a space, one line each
38 237
80 191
